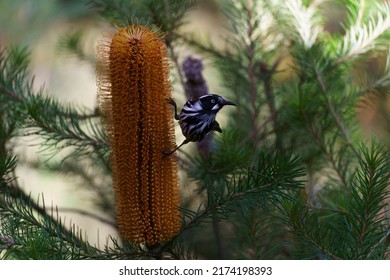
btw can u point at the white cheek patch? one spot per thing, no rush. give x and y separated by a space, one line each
215 107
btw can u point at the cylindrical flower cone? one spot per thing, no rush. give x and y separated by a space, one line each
133 81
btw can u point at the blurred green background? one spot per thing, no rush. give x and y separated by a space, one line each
43 27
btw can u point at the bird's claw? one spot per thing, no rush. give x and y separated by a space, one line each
171 101
167 153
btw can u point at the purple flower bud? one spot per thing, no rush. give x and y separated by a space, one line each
195 85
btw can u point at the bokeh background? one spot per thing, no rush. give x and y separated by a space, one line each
45 28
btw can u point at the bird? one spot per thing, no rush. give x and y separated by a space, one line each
197 117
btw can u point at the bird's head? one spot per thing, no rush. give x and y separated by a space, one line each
214 102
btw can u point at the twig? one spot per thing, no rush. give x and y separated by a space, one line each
327 209
268 90
360 13
319 247
385 238
332 111
169 41
329 155
17 193
206 49
250 68
314 243
221 246
175 61
10 93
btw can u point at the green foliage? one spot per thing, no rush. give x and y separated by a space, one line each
292 176
356 231
369 192
167 15
268 180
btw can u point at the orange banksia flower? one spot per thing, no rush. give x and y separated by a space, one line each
133 81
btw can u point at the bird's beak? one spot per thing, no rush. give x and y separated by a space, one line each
227 102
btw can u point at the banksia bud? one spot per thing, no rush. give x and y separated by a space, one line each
195 87
133 81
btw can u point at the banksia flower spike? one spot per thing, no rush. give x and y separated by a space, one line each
133 81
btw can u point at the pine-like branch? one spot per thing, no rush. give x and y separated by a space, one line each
367 218
272 178
303 22
364 37
60 126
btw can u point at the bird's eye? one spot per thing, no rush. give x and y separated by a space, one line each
212 101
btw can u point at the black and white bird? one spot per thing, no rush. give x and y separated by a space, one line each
197 118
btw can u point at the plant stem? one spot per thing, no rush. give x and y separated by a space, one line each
221 248
268 91
251 71
335 116
17 193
